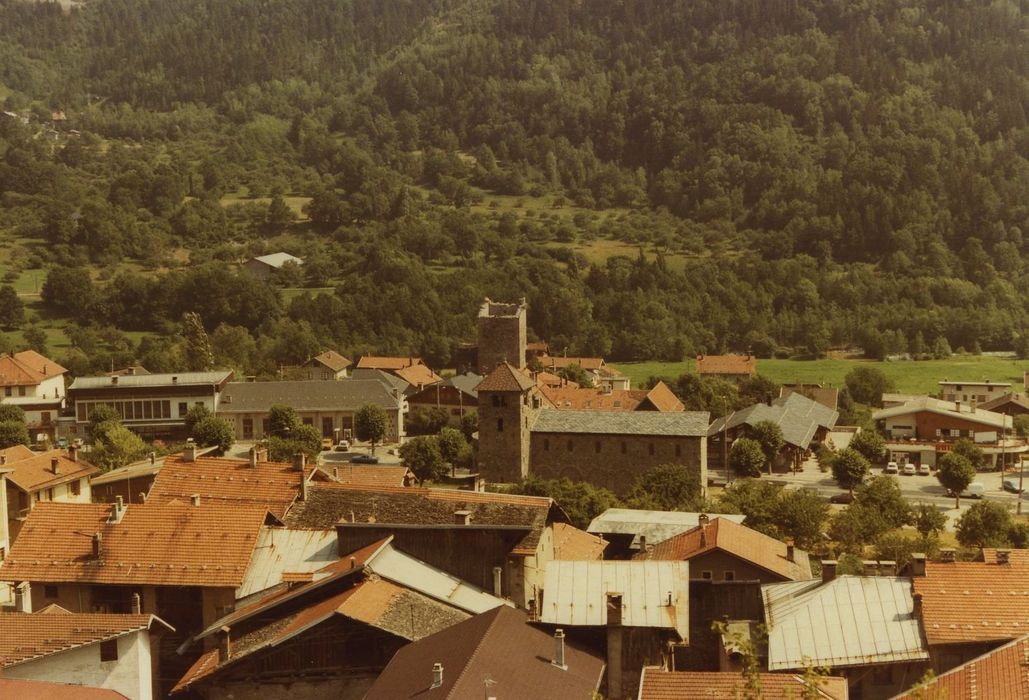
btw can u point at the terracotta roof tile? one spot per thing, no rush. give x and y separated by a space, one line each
44 690
28 636
664 399
726 364
577 398
10 454
1002 674
387 363
272 485
656 684
328 504
738 540
573 544
418 375
371 474
974 601
505 377
27 368
333 360
153 544
36 471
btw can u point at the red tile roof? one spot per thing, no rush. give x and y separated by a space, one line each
656 684
1002 674
418 375
333 360
726 364
738 540
35 472
573 544
664 399
27 368
28 636
44 690
974 601
10 454
153 544
272 485
371 474
575 398
505 377
387 363
499 645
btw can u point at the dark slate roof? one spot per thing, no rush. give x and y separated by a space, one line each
499 645
313 395
798 416
392 381
680 423
506 377
465 382
328 504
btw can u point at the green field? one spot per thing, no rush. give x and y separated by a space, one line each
910 377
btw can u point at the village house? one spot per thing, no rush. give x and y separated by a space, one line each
332 629
972 392
803 421
864 628
600 373
660 684
37 477
519 660
498 542
722 550
922 430
569 396
968 608
1001 674
35 384
731 367
635 610
521 433
327 365
1010 404
629 530
264 266
152 405
327 405
826 395
456 395
89 650
131 483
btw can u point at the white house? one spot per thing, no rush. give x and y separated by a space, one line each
264 266
35 384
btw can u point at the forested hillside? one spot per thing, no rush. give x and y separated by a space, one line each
657 177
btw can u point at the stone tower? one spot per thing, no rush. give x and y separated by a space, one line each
502 335
507 409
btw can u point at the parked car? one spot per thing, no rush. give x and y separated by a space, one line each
364 459
890 468
846 498
1011 486
908 469
343 446
924 470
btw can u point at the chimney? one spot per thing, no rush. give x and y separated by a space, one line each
703 520
117 510
828 570
131 371
190 453
918 564
353 562
790 551
947 554
498 579
73 453
195 500
137 606
957 406
262 454
887 567
916 611
869 567
643 543
462 517
175 380
973 405
559 650
153 458
55 465
253 458
299 461
303 487
23 597
614 645
1003 556
223 645
437 675
114 380
97 539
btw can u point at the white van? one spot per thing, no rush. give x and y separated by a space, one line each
974 490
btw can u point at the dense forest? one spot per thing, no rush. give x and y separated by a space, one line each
658 178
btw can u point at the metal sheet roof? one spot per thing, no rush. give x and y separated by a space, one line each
281 550
136 380
654 593
953 409
278 259
656 525
849 621
389 563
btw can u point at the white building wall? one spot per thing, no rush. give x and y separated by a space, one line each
63 493
129 675
52 388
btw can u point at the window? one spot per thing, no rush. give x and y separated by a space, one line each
308 421
44 417
76 487
49 591
500 425
248 428
183 409
706 575
109 650
21 391
7 391
729 575
50 494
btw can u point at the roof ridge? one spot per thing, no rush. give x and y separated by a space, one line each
497 612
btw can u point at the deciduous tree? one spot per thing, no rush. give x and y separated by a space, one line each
984 524
422 456
849 468
371 424
955 473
